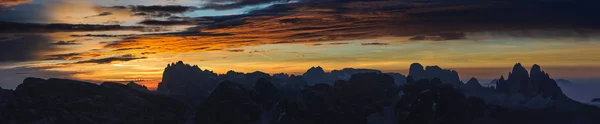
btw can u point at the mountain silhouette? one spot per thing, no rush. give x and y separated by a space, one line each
447 76
188 94
535 89
68 101
187 83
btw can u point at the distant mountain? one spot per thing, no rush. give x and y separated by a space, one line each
536 88
564 82
447 76
316 75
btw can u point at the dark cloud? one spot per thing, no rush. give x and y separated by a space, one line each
167 8
235 4
338 43
101 14
100 35
236 50
375 44
156 10
317 21
148 53
111 59
24 47
124 49
441 36
166 23
71 42
14 27
68 56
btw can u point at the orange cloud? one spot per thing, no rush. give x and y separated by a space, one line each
12 2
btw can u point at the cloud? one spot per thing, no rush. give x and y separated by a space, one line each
24 47
166 23
12 2
101 14
374 44
235 4
71 42
15 27
155 10
111 59
236 50
441 36
309 22
67 56
158 8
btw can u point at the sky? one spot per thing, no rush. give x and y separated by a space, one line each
478 38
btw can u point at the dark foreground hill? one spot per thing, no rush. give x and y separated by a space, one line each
349 96
60 101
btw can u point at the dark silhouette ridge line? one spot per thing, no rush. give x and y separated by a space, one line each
356 96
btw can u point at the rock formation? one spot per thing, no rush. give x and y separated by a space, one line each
446 76
187 83
530 90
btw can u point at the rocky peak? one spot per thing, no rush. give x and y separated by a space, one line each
315 75
533 85
537 73
416 71
315 70
518 72
187 83
252 78
473 82
430 72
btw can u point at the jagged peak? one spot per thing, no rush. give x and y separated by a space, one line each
518 71
179 63
231 72
281 74
473 81
536 66
536 69
518 66
316 69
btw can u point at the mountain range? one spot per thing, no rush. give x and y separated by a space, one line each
188 94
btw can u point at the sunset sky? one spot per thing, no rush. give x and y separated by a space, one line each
478 38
